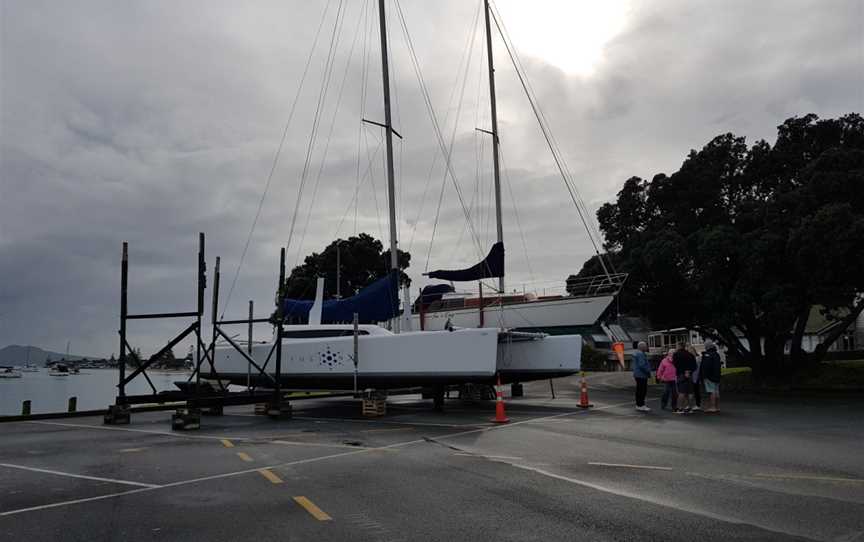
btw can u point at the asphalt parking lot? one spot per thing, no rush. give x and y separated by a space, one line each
778 468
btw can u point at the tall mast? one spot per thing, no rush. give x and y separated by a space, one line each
495 167
388 135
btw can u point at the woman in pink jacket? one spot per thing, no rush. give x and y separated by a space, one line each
666 375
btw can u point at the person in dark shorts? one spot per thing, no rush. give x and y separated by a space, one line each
711 370
696 378
685 366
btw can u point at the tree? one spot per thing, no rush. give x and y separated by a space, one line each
745 240
362 262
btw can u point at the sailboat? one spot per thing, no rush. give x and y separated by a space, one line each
29 367
450 348
340 356
439 306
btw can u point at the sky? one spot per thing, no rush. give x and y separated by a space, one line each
149 122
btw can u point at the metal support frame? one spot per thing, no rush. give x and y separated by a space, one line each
126 348
276 401
195 396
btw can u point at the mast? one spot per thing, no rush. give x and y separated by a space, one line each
388 135
494 113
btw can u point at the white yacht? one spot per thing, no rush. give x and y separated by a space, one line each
9 372
322 357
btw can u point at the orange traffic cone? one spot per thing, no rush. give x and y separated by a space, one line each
583 396
500 416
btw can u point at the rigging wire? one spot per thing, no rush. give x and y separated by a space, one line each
435 125
316 121
363 91
276 159
354 199
453 139
556 154
554 146
466 51
329 138
397 167
516 213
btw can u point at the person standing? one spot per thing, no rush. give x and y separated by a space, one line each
685 366
666 375
696 379
641 373
711 370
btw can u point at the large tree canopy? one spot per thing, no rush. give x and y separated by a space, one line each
362 261
748 239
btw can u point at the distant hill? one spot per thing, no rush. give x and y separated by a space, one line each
17 355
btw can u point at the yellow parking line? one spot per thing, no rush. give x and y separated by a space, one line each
244 456
270 475
227 443
310 507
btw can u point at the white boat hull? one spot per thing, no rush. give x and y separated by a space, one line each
385 360
550 357
544 314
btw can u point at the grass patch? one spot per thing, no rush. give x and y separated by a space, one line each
851 364
827 376
834 375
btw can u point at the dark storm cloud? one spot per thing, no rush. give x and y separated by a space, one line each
151 121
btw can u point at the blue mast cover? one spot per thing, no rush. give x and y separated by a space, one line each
375 303
491 266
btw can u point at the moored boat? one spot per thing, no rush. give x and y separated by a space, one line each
9 372
59 370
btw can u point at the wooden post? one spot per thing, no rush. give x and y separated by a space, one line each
124 281
276 401
481 303
249 348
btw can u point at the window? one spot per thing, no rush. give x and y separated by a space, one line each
847 341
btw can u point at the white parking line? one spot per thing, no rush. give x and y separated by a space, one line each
652 500
131 430
392 422
278 465
626 466
82 476
483 456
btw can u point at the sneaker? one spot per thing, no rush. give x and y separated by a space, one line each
678 411
697 408
643 408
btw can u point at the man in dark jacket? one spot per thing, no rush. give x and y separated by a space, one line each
710 372
685 364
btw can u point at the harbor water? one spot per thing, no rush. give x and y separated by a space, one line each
94 388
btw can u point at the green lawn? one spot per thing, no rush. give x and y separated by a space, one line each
735 370
831 375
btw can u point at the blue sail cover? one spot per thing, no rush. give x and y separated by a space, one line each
375 303
491 266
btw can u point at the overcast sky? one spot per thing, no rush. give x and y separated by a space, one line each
151 121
